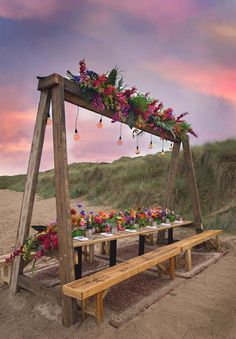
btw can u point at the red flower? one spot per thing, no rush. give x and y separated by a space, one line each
73 211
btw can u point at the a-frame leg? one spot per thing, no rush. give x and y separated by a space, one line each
168 202
168 198
192 185
31 182
66 261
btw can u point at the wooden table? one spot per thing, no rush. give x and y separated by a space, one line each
142 233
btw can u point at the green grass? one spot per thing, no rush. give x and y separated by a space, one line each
133 182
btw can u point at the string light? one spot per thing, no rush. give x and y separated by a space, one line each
49 120
162 151
76 135
150 146
171 146
119 141
100 124
137 151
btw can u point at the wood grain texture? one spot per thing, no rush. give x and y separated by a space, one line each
100 281
168 201
31 182
63 202
192 184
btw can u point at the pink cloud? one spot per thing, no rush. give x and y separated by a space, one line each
25 9
209 79
155 11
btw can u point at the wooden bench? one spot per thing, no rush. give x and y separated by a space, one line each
98 283
5 270
187 244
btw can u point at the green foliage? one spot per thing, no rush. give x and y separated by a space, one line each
112 76
141 181
140 102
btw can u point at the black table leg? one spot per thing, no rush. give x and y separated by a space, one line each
113 244
141 244
170 236
78 267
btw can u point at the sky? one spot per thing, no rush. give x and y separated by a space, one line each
181 51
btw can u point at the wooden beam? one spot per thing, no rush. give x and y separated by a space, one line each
49 82
66 258
168 201
192 185
31 182
74 96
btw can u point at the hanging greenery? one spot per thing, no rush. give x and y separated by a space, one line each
107 91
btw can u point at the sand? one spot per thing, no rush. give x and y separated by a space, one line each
201 307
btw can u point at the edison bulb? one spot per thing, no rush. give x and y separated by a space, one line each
100 124
119 142
76 136
150 146
137 150
162 153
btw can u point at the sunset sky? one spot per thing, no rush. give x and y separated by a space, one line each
182 51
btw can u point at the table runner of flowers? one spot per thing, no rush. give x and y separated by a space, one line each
88 223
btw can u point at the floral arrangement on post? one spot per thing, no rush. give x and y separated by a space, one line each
46 238
107 91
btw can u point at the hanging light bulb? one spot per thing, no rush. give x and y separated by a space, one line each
100 124
119 141
49 120
76 136
171 147
150 146
162 151
137 151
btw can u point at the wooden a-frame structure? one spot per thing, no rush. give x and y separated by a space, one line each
57 90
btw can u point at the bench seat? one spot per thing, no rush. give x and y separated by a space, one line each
98 283
187 244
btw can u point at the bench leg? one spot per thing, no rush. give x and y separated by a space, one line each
172 268
218 247
84 308
188 258
99 308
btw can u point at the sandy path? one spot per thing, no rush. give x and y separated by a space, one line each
203 307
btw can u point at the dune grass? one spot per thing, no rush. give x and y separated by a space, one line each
133 182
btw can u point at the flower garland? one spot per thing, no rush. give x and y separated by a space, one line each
107 91
46 239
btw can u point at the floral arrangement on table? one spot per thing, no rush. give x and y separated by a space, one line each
107 91
86 223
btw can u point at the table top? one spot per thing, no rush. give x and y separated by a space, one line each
99 238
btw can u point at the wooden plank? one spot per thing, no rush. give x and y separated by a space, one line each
106 278
39 289
98 239
66 261
199 238
172 268
31 182
168 201
49 81
99 308
218 247
188 258
192 185
73 95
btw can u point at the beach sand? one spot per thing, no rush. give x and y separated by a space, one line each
201 307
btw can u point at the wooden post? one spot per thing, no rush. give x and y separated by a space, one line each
168 198
66 261
192 185
31 182
168 201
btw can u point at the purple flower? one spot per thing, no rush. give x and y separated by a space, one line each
79 205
